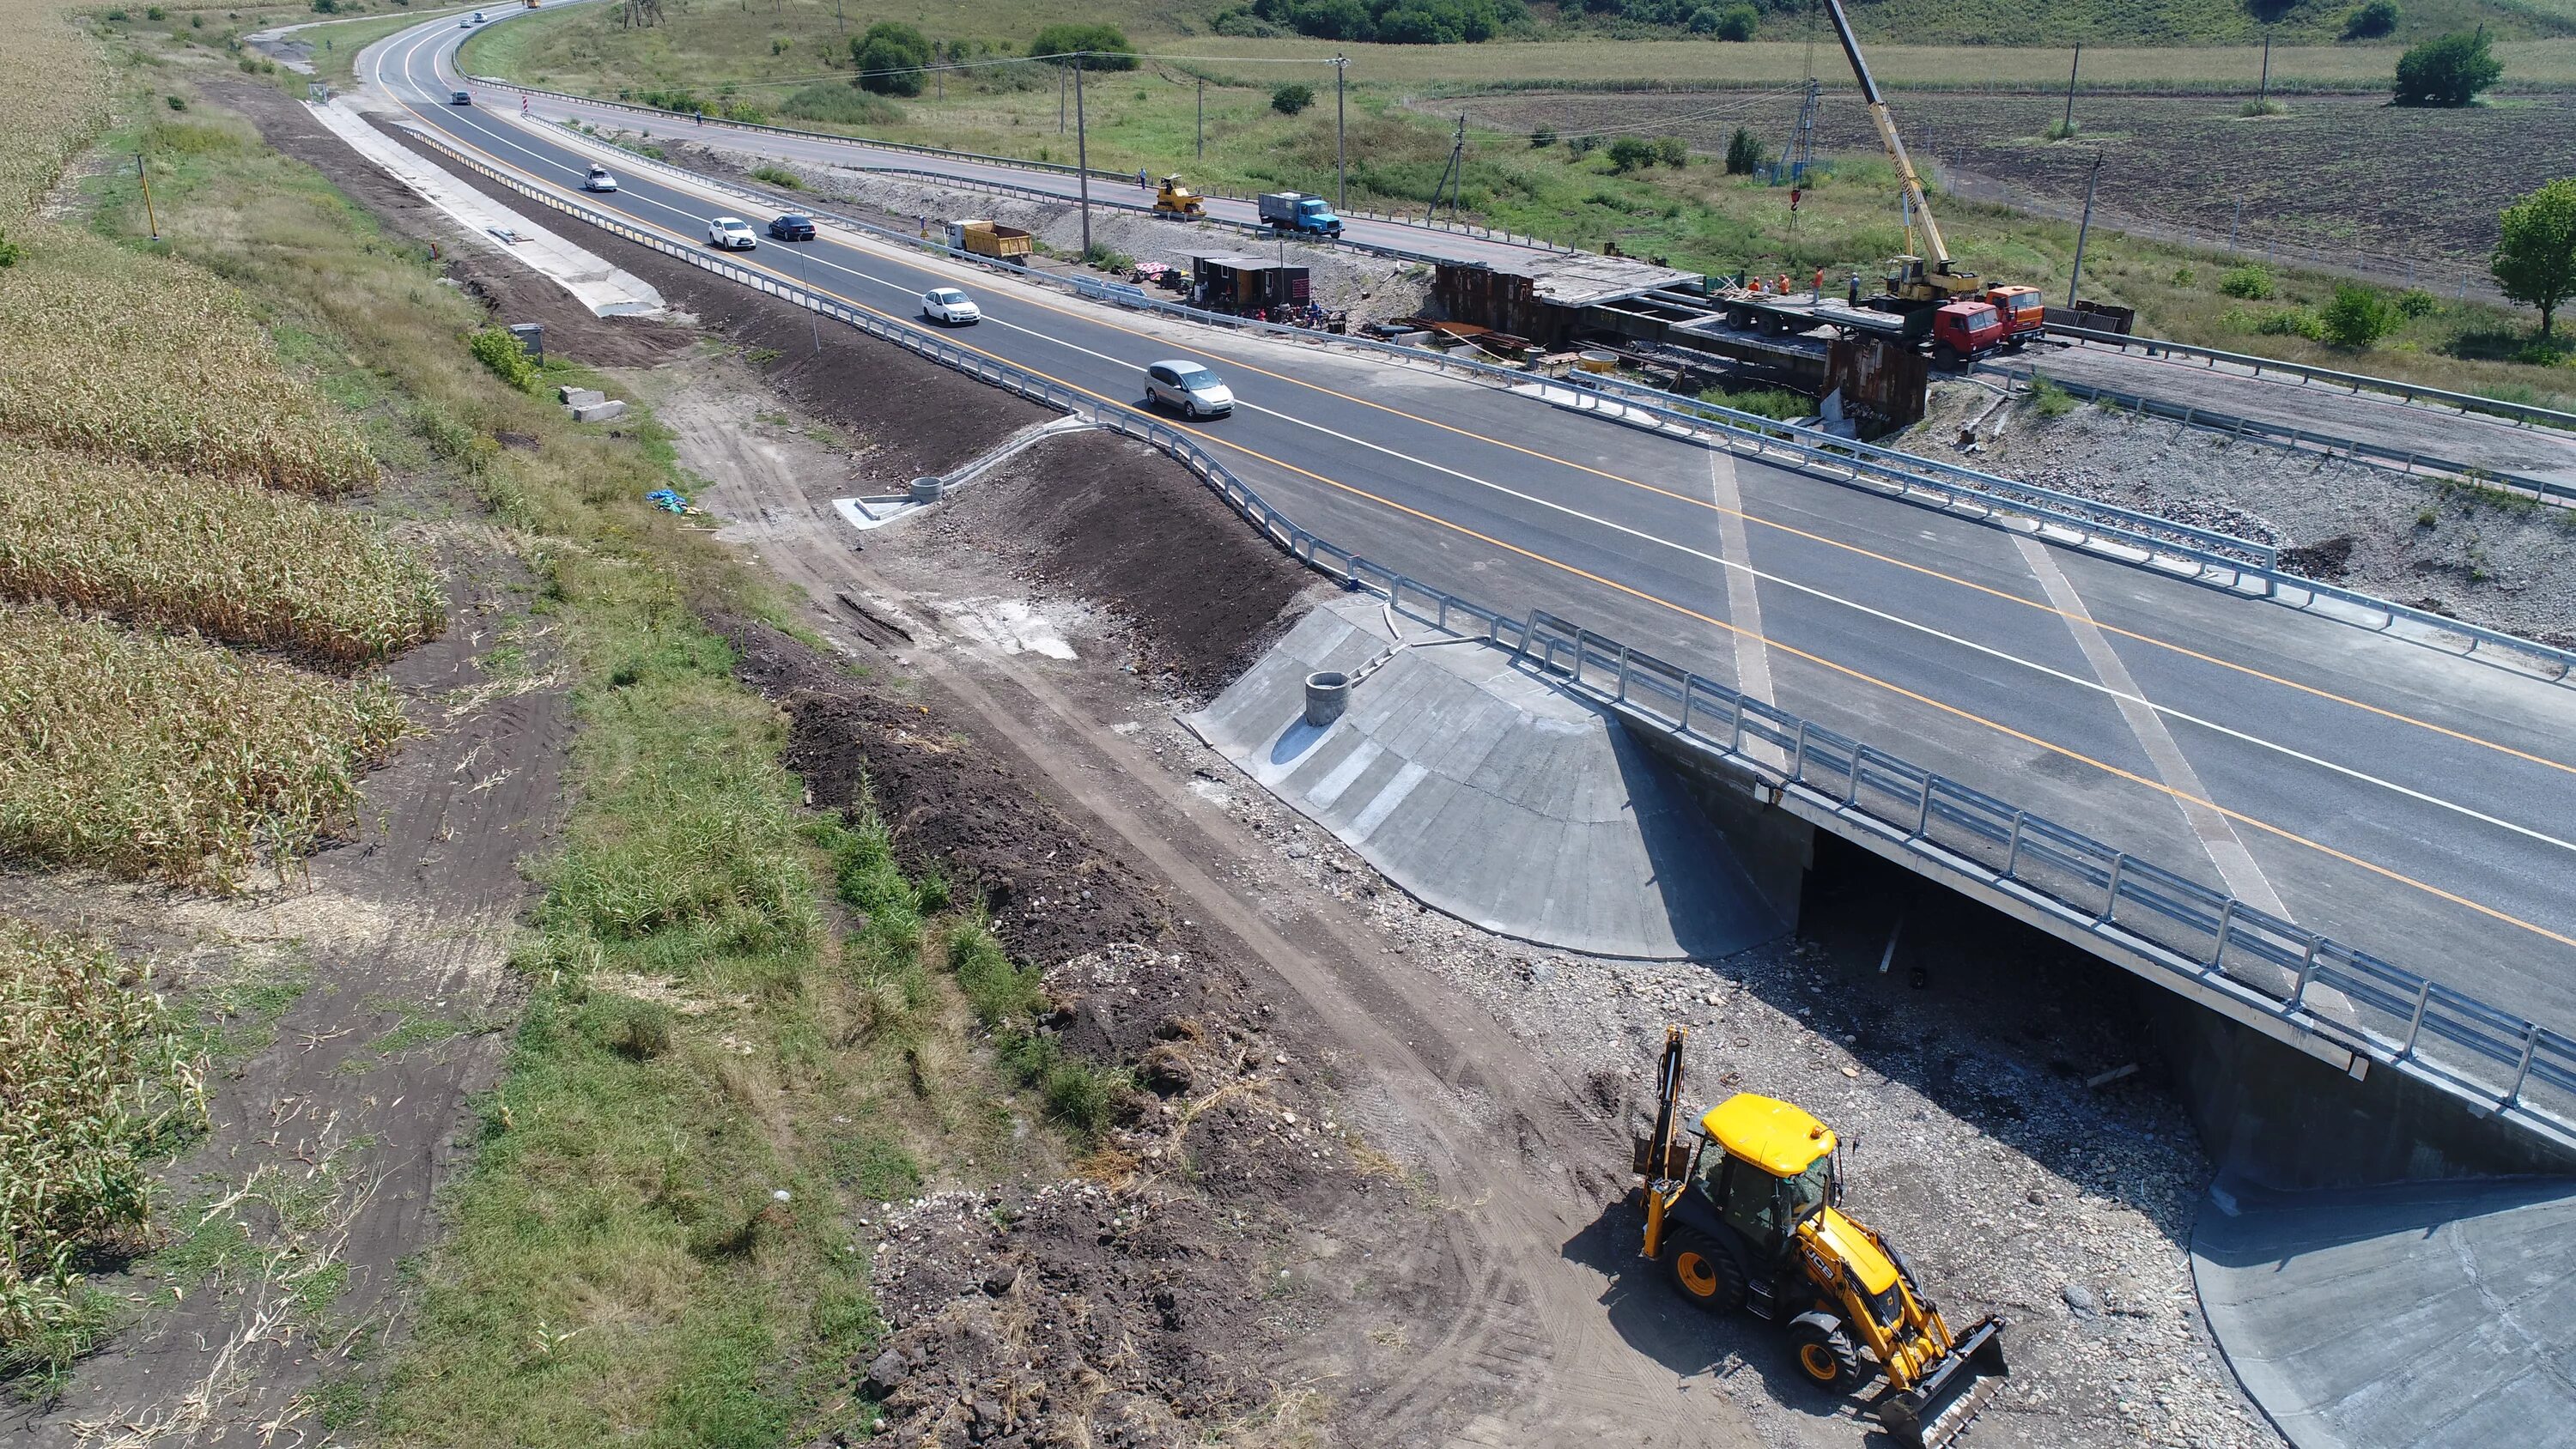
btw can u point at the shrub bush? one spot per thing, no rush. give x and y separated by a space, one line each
1743 152
2369 22
2263 107
1673 151
2358 316
1584 145
1631 153
1291 98
2253 284
1542 138
496 349
1107 44
2415 302
1738 22
845 105
778 176
890 57
2450 71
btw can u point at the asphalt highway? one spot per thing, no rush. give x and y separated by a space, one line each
2416 804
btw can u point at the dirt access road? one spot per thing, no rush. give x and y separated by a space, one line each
1527 1356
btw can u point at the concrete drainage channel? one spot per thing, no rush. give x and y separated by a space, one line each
876 510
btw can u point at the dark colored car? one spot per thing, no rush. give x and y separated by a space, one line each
792 227
461 98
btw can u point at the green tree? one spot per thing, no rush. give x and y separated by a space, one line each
2535 255
1542 138
1291 98
1743 153
1631 153
2358 316
2369 22
890 57
1107 45
1738 22
1673 151
2450 71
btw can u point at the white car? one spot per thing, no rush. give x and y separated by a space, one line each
1190 387
947 304
599 180
465 24
731 234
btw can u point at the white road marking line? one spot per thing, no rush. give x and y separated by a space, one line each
2236 864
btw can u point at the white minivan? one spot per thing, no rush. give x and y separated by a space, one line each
1190 387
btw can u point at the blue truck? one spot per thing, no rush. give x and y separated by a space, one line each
1298 212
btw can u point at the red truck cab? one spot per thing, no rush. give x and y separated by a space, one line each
2025 315
1965 330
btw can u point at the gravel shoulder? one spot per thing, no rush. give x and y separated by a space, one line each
2489 558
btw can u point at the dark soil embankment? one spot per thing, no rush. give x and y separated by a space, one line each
1111 521
1149 1303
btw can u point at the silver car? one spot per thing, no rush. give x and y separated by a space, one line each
1188 387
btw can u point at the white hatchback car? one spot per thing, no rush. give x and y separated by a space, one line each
947 304
599 180
1190 387
731 234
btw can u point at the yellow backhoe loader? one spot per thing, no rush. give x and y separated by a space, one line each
1748 1216
1177 201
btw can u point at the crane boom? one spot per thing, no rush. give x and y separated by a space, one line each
1937 250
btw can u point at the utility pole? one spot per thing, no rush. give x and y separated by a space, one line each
1082 154
841 20
939 70
1059 100
1203 118
2231 224
1341 169
2076 278
2068 126
150 215
2267 64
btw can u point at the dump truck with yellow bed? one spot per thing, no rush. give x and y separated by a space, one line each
991 239
1749 1216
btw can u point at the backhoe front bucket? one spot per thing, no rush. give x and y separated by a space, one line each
1932 1413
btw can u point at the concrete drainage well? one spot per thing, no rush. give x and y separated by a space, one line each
928 490
1328 693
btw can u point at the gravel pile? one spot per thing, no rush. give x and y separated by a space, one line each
2488 558
1979 1146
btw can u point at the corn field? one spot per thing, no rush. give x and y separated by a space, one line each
233 561
53 98
148 358
153 755
93 1077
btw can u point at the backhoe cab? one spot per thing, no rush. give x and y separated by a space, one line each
1748 1216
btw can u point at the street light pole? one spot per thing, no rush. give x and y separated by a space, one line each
1341 170
1082 154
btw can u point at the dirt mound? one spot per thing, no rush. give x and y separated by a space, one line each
1103 518
1150 1304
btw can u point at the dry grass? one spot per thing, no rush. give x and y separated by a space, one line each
149 358
93 1075
150 755
233 561
53 98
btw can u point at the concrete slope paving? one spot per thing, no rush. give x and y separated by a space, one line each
2414 1314
1488 794
2545 454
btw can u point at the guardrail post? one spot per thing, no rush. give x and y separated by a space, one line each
2226 923
2012 847
1623 674
1922 809
1579 637
1798 758
2522 1073
2307 971
1735 725
2111 898
2415 1026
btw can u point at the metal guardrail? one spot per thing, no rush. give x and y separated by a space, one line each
2486 1056
693 120
2522 415
2295 439
2238 565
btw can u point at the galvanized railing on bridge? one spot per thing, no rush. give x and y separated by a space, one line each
2488 1057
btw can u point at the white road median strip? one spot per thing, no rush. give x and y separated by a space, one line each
606 290
2236 864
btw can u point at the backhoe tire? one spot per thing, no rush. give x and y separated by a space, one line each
1706 1274
1823 1348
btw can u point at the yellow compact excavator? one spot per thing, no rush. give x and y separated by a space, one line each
1749 1216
